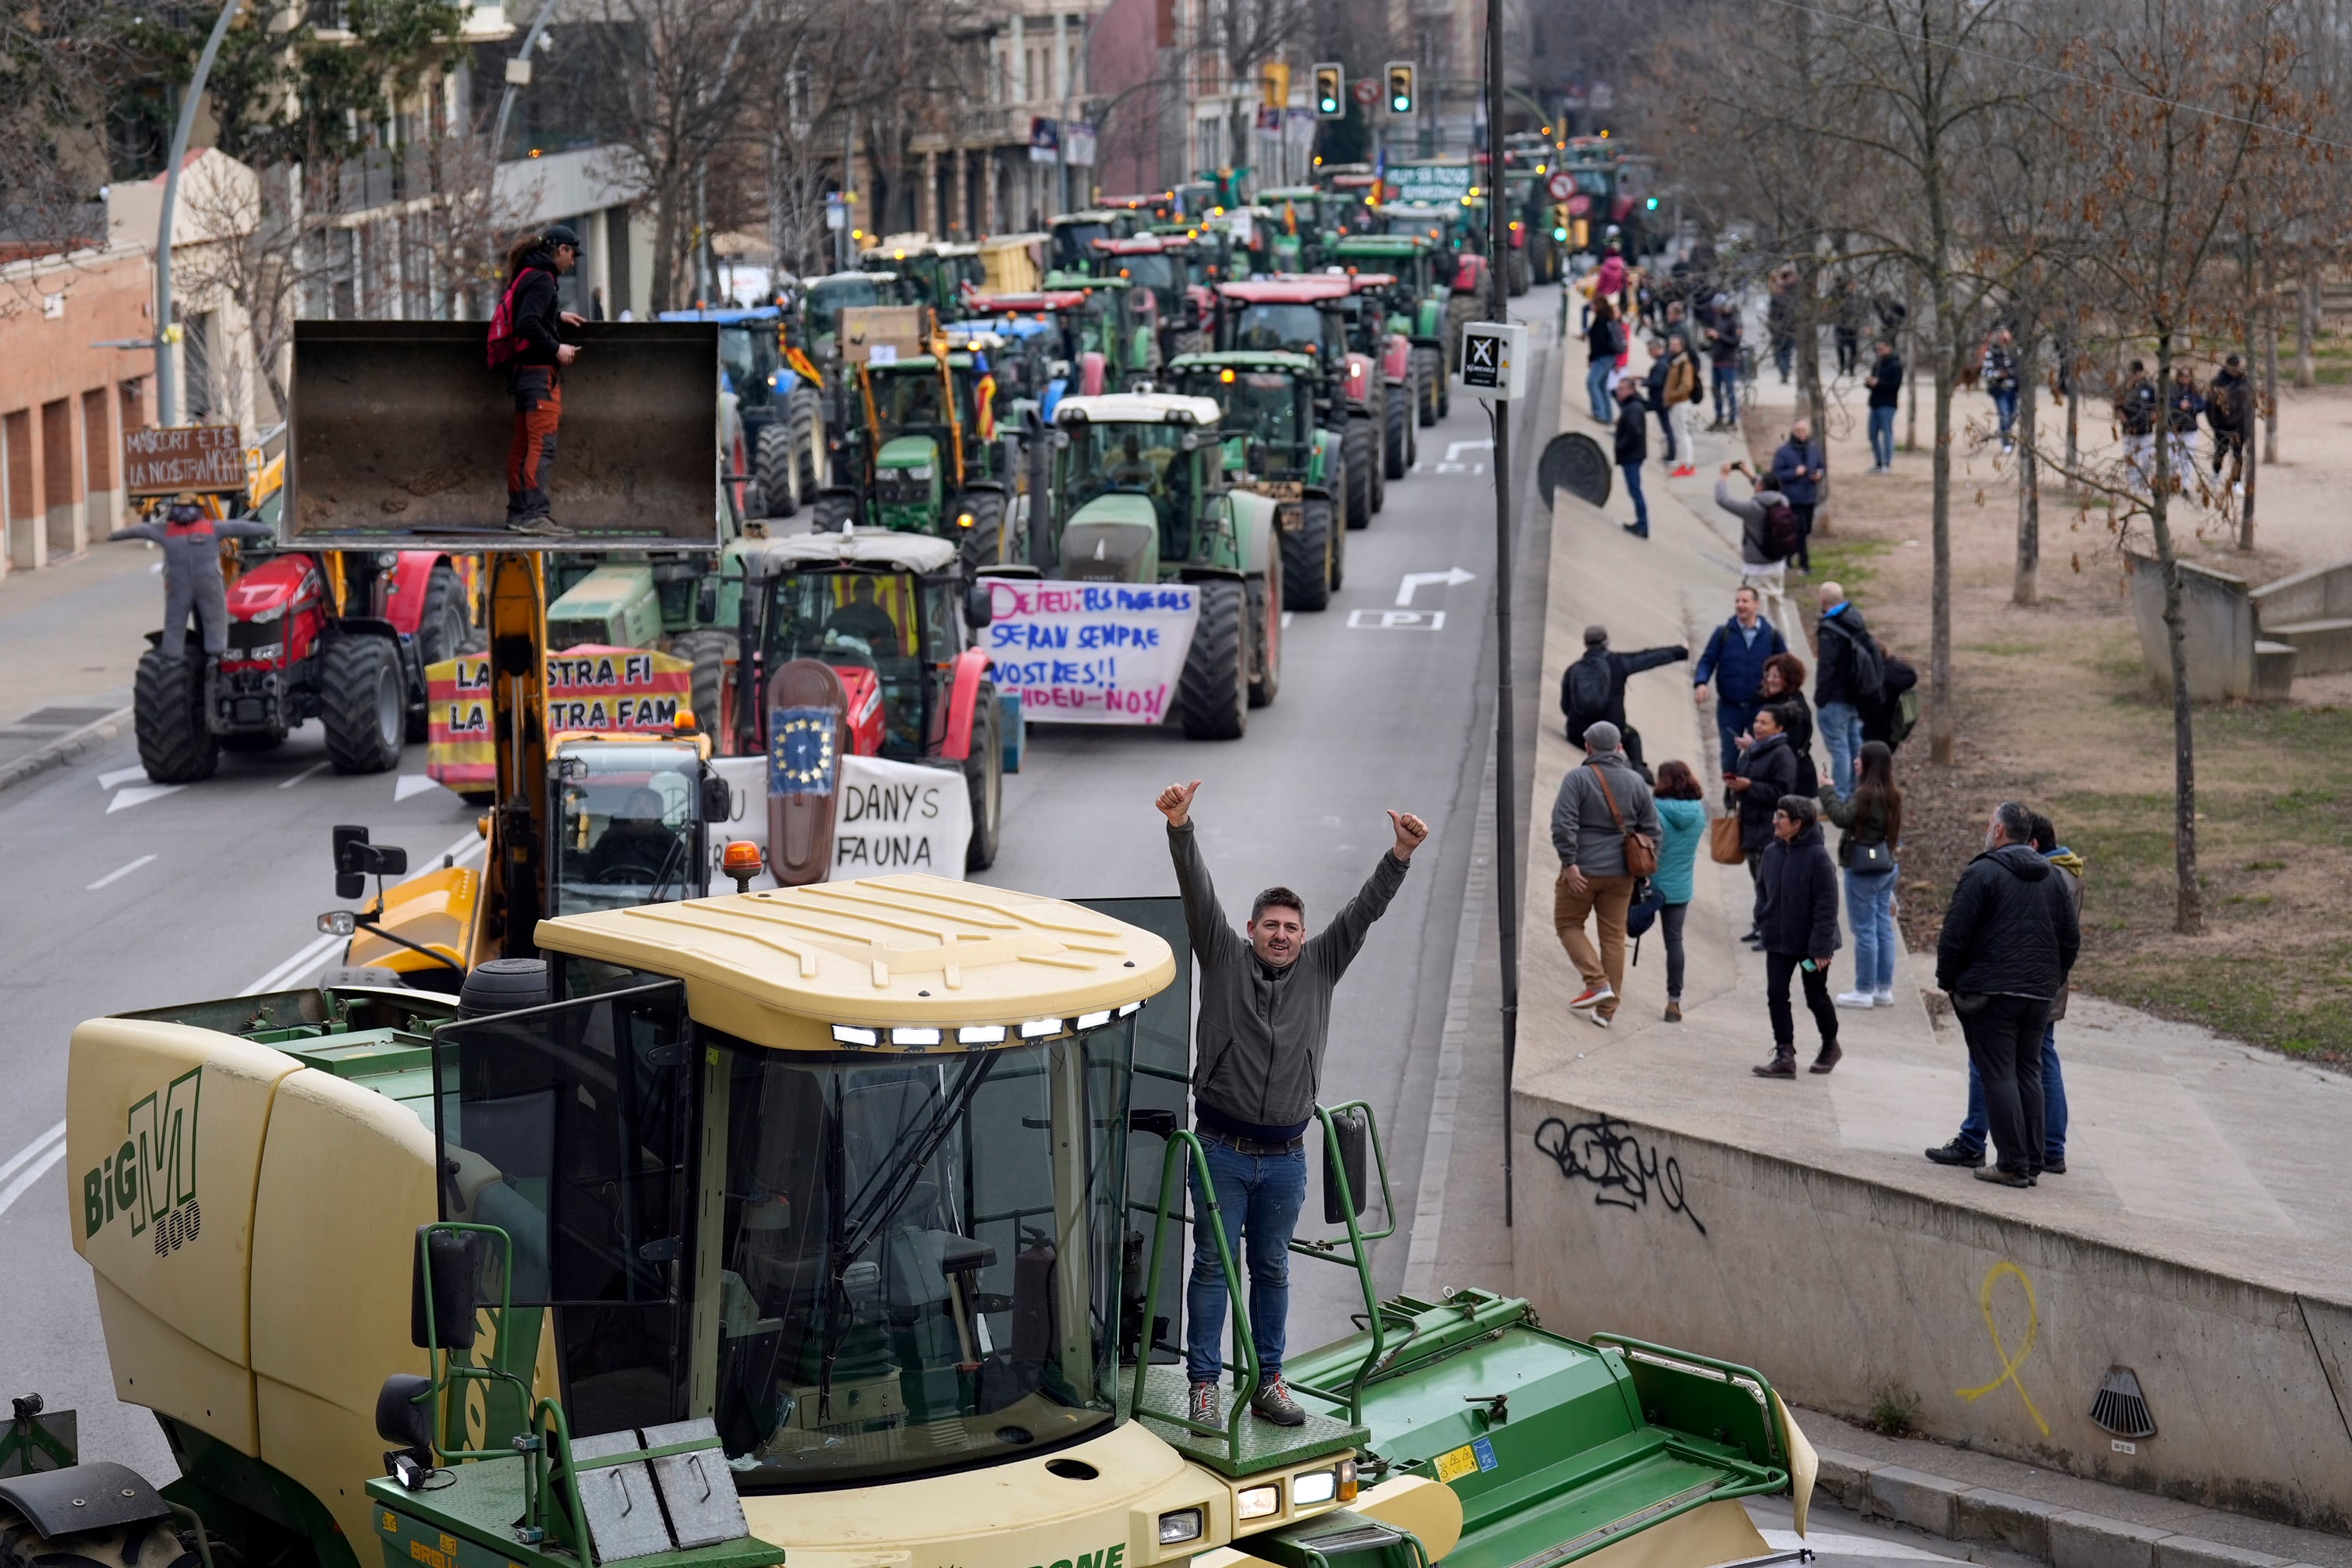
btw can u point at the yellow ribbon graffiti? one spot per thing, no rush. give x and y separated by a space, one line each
2009 1364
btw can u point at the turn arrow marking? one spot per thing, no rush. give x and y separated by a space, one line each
1452 577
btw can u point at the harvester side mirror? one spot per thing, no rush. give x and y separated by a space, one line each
979 608
356 860
1349 1133
718 799
448 1316
399 1419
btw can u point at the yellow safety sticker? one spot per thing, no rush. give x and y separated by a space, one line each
1452 1465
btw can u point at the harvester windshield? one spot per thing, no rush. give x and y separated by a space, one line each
624 829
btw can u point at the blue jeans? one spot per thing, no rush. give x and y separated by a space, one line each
1727 394
1633 471
2005 405
1882 437
1841 727
1731 722
1870 910
1258 1199
2053 1104
1596 390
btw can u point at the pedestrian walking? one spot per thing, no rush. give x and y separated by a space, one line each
1601 346
1796 912
1633 443
1870 819
2137 404
2183 406
1653 398
1885 384
1264 1018
526 341
1767 527
1685 392
1849 677
1681 822
1998 368
1765 770
1593 689
193 583
1969 1148
1723 359
2010 937
1604 828
1800 470
1733 663
2229 409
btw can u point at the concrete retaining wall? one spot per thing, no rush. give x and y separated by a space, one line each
2000 1332
2321 593
2219 615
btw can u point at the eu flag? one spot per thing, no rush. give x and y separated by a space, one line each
803 754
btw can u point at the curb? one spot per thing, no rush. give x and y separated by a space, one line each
2061 1536
66 747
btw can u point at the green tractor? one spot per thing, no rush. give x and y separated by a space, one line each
1070 243
1142 477
687 604
1304 316
1273 448
928 456
1293 223
1118 321
931 272
1423 306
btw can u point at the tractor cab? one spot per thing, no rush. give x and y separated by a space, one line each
931 457
936 273
1070 245
1291 315
1268 422
1139 474
1118 321
1052 327
631 822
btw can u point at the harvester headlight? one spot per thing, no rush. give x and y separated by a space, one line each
1258 1502
1313 1487
1094 1020
850 1034
981 1034
1179 1526
904 1035
1041 1028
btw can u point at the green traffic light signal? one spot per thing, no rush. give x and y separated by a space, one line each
1652 203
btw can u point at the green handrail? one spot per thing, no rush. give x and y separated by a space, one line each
1179 1141
1356 1255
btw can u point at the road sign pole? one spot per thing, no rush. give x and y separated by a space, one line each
1507 882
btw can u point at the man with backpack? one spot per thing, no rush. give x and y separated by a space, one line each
1768 526
1593 689
526 341
1800 468
1734 662
1848 675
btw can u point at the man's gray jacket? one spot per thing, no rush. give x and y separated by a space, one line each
1582 833
1258 1043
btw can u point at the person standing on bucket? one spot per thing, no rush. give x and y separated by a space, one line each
526 341
1265 1014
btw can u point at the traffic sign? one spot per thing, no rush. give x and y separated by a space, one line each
1561 187
1493 358
1367 90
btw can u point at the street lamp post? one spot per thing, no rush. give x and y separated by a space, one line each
167 379
1507 899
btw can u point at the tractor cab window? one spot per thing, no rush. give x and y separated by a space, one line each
1296 327
1266 403
858 621
1134 457
1157 278
909 399
826 303
626 825
920 1258
740 360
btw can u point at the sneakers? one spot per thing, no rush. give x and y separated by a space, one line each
1957 1153
1684 472
1831 1054
1205 1403
542 527
1882 999
1782 1065
1600 1019
1594 995
1856 1000
1673 1012
1273 1403
2002 1176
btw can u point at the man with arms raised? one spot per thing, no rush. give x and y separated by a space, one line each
1265 1012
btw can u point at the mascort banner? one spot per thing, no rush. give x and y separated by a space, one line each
1090 653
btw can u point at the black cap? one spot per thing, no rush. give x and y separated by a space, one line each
562 234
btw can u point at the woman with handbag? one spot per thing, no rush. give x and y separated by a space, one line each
1872 820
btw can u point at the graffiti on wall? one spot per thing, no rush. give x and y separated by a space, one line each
2009 1361
1605 1153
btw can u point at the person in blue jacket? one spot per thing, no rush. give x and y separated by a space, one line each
1734 663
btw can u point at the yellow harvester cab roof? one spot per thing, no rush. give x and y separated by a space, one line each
781 967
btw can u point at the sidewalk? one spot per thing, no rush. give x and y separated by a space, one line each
70 638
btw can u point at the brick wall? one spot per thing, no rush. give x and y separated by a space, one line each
64 403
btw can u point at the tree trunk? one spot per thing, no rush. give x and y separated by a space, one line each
1910 370
2027 589
2073 371
666 247
2306 328
1941 730
2251 394
2270 379
2188 904
1806 318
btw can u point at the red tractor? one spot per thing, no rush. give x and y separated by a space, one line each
339 636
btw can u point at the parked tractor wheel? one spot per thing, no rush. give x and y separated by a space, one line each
1373 463
1395 457
1307 560
982 544
779 469
983 776
1357 444
1426 373
708 649
362 703
807 459
830 512
176 745
1213 696
1265 645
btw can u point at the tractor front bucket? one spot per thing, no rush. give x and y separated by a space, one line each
401 433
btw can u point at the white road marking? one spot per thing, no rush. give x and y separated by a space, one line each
1455 449
1396 620
1286 620
412 784
1452 577
118 873
139 795
112 777
31 1164
290 783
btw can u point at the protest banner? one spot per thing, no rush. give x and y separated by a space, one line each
611 690
170 458
1090 653
889 815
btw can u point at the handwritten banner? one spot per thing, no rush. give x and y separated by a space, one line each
611 690
1090 653
889 815
174 457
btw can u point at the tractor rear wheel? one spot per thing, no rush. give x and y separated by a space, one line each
1306 552
1265 617
1425 370
362 703
983 775
1395 457
1374 464
831 511
778 467
176 744
982 544
1213 697
709 652
1357 444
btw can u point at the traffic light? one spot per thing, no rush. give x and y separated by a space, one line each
1651 205
1400 87
1274 77
1330 92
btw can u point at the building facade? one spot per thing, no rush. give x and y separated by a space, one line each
66 398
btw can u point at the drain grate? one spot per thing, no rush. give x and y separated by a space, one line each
65 718
2120 1407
